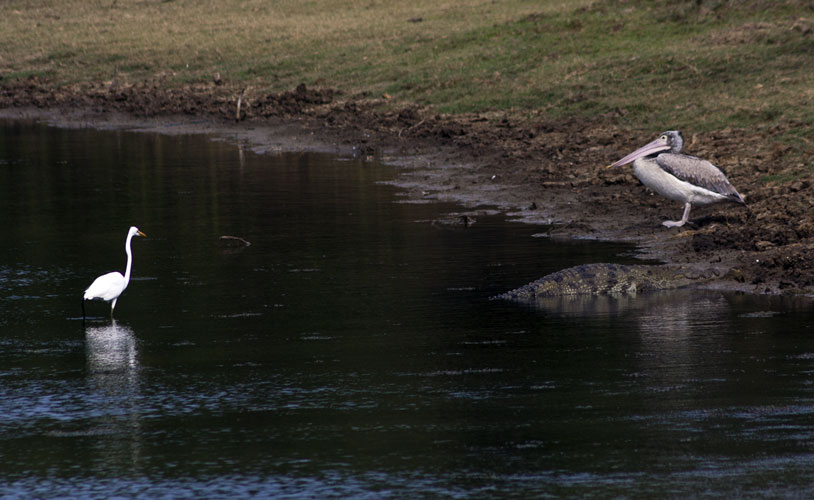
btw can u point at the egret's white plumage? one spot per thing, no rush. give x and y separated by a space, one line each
684 178
109 286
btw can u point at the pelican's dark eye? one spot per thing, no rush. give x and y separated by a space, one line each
663 138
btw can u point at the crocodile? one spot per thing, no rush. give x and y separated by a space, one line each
610 279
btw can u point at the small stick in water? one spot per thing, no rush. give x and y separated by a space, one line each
235 238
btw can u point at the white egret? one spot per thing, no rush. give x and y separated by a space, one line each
109 286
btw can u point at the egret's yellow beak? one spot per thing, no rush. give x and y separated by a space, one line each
142 234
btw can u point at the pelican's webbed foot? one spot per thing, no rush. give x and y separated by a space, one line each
684 218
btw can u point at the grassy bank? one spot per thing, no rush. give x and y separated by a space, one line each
697 65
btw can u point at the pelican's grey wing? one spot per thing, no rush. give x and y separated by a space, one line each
698 172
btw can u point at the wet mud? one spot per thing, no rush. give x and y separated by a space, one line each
540 171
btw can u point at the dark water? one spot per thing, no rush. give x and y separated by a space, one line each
351 351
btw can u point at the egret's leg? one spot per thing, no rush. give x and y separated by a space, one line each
113 306
684 219
83 309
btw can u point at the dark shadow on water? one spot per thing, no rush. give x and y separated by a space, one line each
669 305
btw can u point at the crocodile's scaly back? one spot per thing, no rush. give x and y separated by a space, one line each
597 279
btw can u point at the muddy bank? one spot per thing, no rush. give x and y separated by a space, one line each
549 172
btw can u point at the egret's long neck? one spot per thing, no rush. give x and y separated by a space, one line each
129 260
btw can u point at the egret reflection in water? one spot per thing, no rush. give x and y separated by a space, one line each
111 349
113 379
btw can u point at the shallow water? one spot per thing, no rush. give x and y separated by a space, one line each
352 350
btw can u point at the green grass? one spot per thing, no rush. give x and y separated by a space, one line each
699 65
786 178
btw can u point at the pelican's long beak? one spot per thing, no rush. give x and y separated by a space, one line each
646 150
142 234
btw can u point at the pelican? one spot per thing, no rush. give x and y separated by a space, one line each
109 286
662 167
